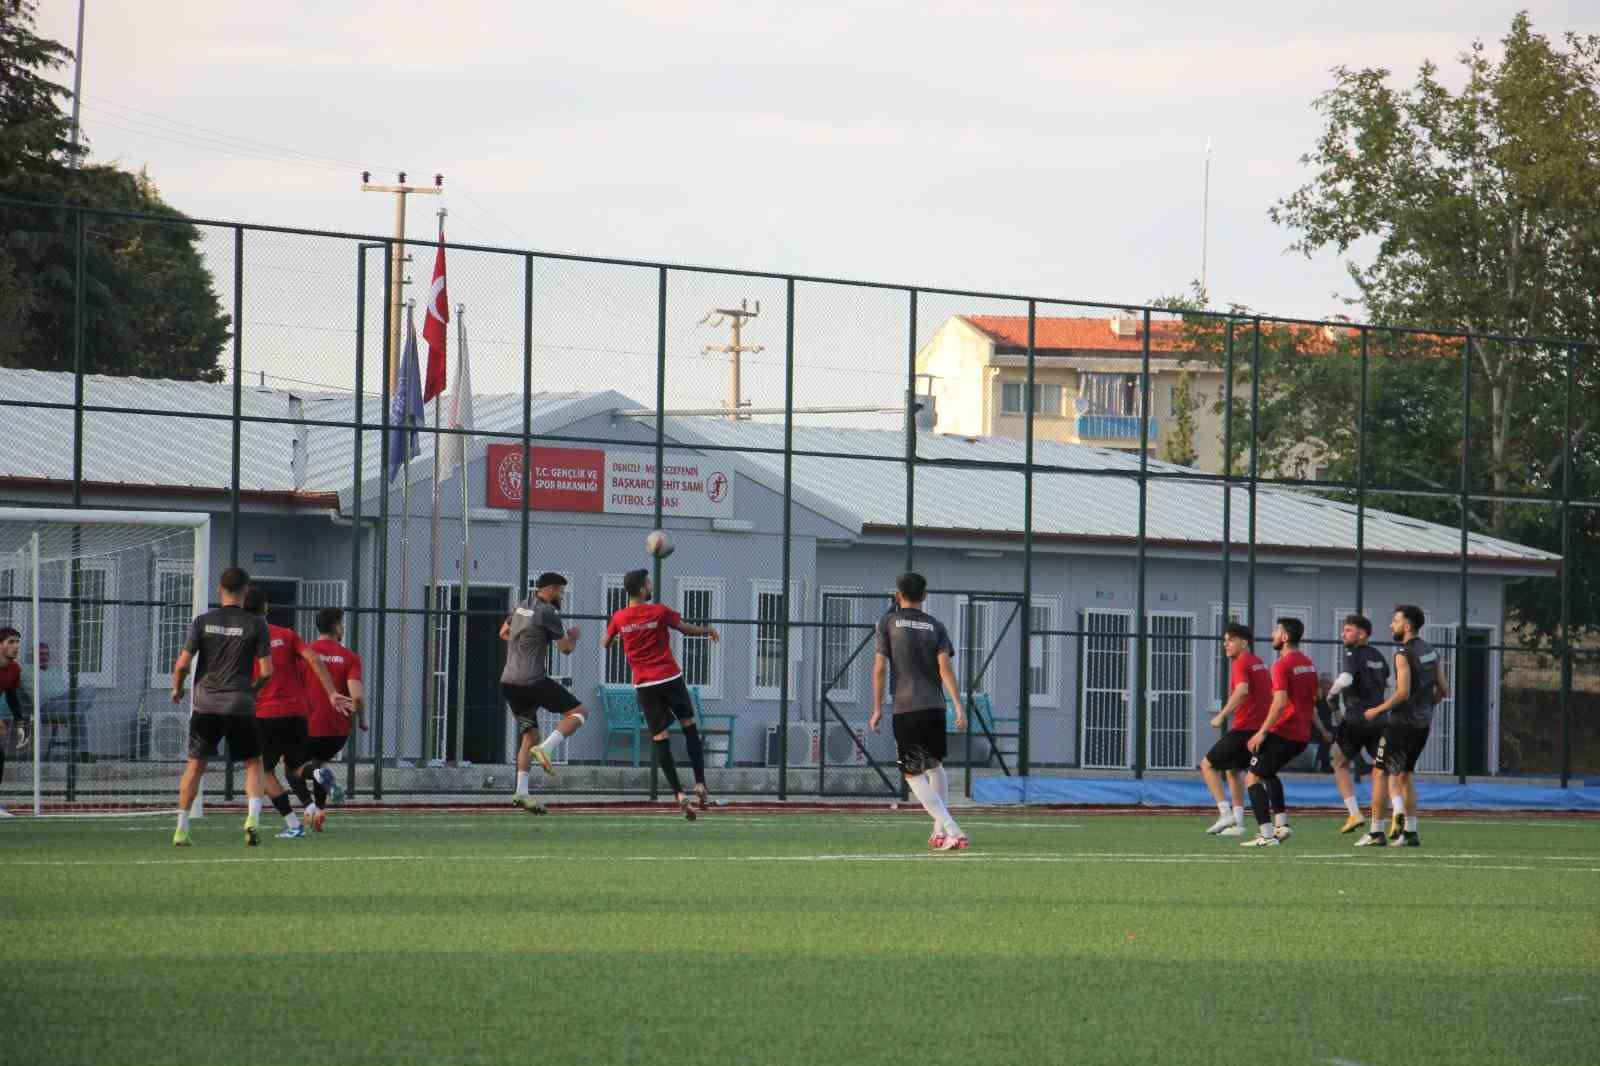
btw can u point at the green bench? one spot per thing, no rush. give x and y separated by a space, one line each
625 723
980 708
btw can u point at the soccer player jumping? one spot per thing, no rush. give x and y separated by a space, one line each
916 647
535 624
1249 698
1284 734
645 629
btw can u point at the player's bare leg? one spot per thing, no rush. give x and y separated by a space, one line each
1214 785
188 789
570 723
524 762
1380 801
1411 804
663 751
1347 791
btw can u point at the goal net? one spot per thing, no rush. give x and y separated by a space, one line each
103 600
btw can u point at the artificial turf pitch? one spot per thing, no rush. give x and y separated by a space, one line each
768 937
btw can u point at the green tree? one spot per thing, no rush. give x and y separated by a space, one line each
149 306
1178 447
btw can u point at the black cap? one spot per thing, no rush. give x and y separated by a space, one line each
548 578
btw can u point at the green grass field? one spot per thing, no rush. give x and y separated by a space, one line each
806 938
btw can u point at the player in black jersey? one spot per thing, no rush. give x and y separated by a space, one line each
1360 686
1419 685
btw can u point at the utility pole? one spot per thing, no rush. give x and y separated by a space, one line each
735 317
397 275
1205 218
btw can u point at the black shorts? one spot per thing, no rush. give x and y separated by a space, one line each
325 749
1355 734
526 700
1274 754
1401 746
919 739
664 703
284 738
1229 752
206 731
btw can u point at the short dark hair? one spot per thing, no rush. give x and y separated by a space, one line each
234 579
912 585
1360 621
548 578
1239 631
1411 613
6 633
1294 627
329 617
634 581
255 601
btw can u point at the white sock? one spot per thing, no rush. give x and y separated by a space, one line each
183 821
291 820
1411 823
1377 825
311 809
1223 809
941 781
1397 803
927 794
255 809
1238 816
1281 818
552 742
1265 830
522 783
1351 806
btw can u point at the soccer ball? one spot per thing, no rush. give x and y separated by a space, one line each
658 544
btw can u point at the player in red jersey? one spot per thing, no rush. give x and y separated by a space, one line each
328 725
281 715
645 629
1284 734
11 689
1249 698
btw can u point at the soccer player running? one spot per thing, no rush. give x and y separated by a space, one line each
11 688
535 624
645 629
229 649
1419 684
1359 687
281 714
1249 698
327 724
916 647
1284 735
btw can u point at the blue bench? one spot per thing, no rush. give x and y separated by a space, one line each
980 708
625 720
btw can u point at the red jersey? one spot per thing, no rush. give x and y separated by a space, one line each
1249 670
1295 674
10 685
646 631
345 666
284 695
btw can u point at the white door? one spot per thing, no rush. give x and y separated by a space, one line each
1170 691
1105 676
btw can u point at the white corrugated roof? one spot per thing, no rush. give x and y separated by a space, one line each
136 449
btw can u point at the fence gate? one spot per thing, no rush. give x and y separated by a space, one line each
1439 755
1106 678
1169 744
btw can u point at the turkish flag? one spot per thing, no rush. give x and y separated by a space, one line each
433 327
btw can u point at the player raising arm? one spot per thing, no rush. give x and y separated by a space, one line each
535 624
645 629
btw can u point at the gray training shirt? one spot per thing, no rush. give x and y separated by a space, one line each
227 641
911 640
1417 710
534 624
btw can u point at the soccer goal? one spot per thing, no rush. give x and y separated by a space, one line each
103 600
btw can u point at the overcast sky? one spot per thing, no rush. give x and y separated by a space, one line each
1047 148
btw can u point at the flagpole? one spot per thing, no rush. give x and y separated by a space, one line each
435 646
466 547
405 551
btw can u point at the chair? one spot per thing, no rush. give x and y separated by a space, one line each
624 716
62 714
714 725
980 706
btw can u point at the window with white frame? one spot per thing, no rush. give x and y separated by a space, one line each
1109 394
12 609
95 618
170 618
700 601
1303 614
974 631
1046 398
767 660
556 662
1219 656
614 668
1044 652
839 641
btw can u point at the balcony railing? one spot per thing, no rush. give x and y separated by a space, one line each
1111 427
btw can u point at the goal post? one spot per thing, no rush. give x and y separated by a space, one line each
104 599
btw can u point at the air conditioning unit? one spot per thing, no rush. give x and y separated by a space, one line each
842 749
805 745
169 736
802 744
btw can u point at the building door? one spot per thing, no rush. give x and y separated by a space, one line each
1171 691
282 593
484 727
1105 694
1474 698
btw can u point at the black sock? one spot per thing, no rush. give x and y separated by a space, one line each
320 793
664 760
298 784
697 751
280 803
1258 803
1275 794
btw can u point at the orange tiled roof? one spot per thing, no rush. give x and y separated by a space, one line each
1166 335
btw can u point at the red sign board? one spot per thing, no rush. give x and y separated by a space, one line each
615 481
564 479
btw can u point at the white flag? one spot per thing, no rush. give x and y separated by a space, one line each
454 449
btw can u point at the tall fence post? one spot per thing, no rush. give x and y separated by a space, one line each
1225 615
1566 574
1025 658
1361 484
386 394
1458 705
911 434
353 628
661 453
237 428
1141 671
79 271
788 562
1255 471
